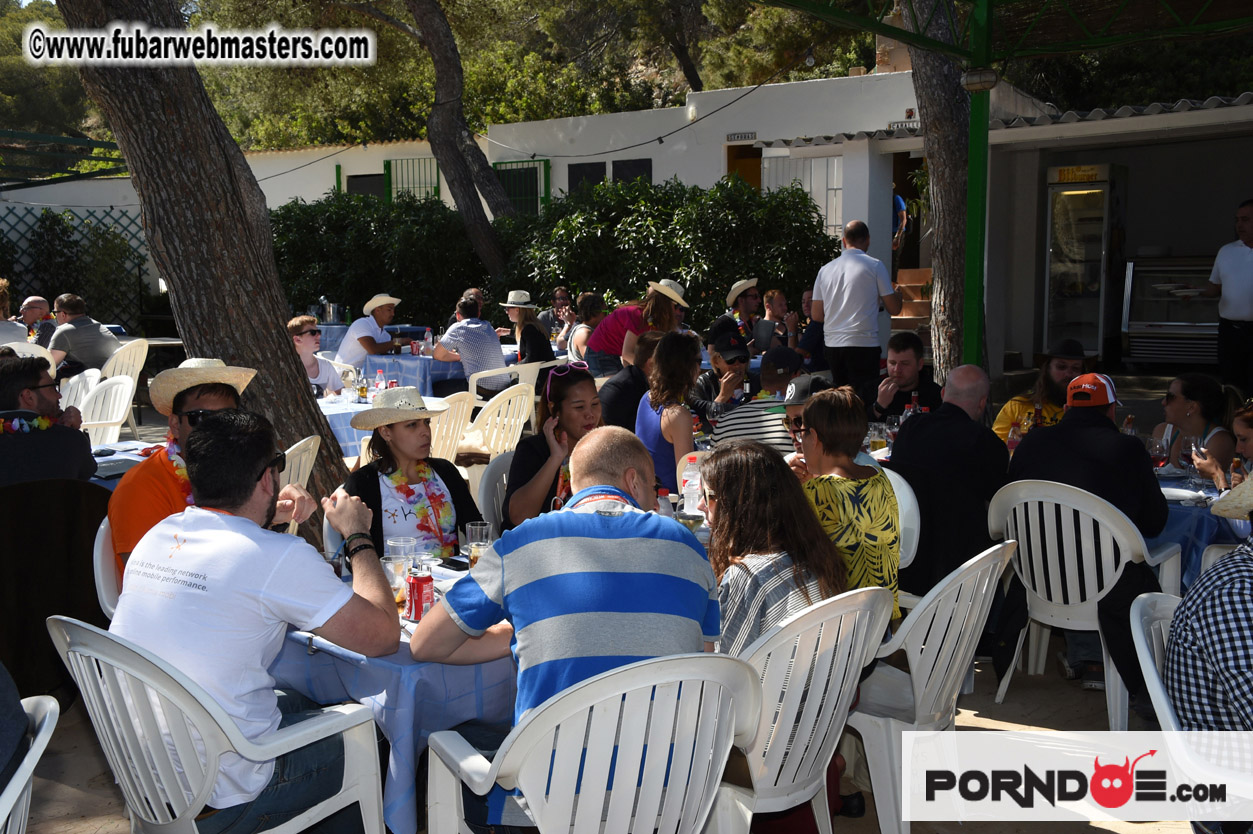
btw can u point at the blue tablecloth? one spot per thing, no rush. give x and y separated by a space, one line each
333 334
419 372
410 700
339 415
1194 529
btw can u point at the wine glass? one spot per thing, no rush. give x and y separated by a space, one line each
893 424
1189 447
1157 451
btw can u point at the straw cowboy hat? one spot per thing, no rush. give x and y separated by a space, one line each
378 301
738 288
397 405
519 298
1236 504
672 290
168 384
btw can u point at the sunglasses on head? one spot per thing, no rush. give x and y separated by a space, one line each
560 370
277 463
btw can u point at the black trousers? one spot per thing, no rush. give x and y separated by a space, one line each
1235 354
854 366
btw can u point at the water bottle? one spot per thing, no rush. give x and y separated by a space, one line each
691 486
664 507
428 343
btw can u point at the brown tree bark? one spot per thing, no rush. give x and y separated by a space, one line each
460 158
208 228
944 113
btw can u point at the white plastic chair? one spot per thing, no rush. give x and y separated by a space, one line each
300 460
75 389
128 360
25 348
642 746
808 666
130 693
939 638
502 419
472 382
105 409
1213 553
42 712
1150 629
448 426
909 523
1064 533
104 564
492 485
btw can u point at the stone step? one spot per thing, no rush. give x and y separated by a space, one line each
913 277
910 322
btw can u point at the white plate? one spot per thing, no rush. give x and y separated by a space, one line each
1185 293
1166 287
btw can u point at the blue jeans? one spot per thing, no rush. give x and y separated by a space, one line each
302 779
600 363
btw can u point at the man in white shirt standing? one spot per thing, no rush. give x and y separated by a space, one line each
1232 282
847 295
366 336
212 592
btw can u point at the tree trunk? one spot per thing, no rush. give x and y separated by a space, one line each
208 228
460 158
944 112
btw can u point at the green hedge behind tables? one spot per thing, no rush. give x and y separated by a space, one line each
612 238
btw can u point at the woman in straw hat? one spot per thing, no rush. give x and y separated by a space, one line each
409 493
533 345
613 341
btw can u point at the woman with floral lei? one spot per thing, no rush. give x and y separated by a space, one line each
410 493
539 475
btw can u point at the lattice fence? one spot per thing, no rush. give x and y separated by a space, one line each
113 294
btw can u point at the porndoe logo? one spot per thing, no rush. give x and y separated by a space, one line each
1012 776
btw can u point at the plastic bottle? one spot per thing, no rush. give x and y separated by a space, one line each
428 343
664 507
1129 425
380 382
1037 419
1014 437
691 486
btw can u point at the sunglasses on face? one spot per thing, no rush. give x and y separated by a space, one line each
738 360
709 494
561 370
314 332
194 416
278 463
794 425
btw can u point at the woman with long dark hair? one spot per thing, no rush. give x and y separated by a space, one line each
539 475
1197 405
768 551
613 340
663 421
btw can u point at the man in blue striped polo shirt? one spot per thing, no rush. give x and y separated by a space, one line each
594 586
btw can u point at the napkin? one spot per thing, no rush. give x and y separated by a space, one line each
1176 494
1171 469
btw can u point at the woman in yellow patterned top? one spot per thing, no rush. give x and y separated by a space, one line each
855 504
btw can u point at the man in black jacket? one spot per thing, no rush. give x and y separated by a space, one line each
955 465
1086 450
620 395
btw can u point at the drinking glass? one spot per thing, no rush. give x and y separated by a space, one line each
1190 446
397 570
878 437
1157 451
402 546
479 537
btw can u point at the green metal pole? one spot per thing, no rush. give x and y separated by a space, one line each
976 227
977 186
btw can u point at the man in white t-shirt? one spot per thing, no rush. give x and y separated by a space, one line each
212 592
306 336
1232 282
366 336
847 295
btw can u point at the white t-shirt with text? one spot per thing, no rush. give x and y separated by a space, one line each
213 594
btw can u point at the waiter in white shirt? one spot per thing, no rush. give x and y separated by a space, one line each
366 336
1232 282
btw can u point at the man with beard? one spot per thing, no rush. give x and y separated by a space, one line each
1063 363
212 592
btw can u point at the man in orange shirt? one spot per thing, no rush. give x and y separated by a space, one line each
158 487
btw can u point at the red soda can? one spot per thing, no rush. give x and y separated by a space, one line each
413 348
421 594
393 383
